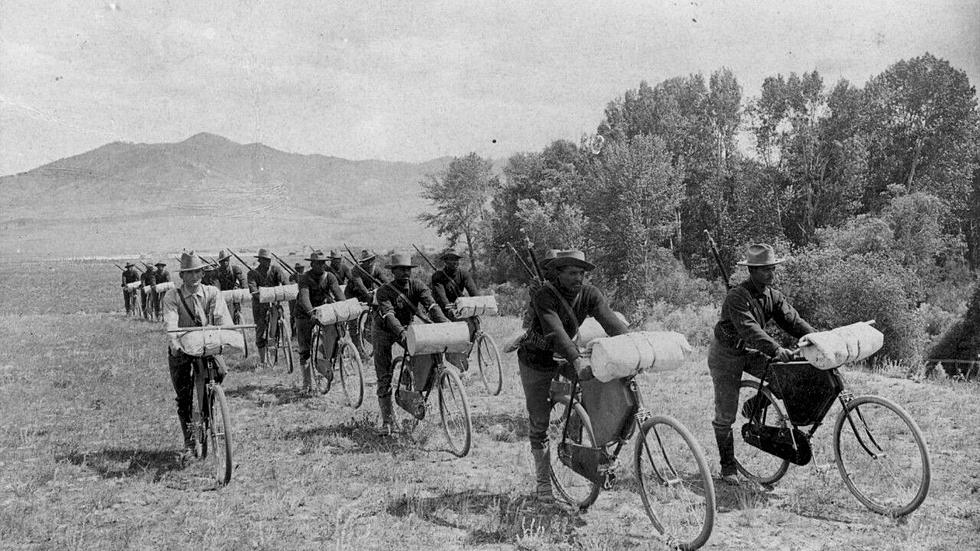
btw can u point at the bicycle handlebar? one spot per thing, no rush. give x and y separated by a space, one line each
209 327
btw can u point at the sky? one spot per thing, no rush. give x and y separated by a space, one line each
412 81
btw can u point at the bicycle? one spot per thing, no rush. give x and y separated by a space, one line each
365 331
417 375
345 361
135 302
878 448
674 480
279 335
487 357
210 418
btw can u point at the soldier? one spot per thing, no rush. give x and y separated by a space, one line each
228 277
362 287
162 276
317 287
398 303
191 304
210 277
747 309
450 282
298 270
558 309
147 294
265 275
129 275
340 270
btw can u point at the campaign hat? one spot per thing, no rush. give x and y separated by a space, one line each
298 266
449 252
223 254
570 257
400 260
264 253
317 255
545 262
190 261
161 263
760 254
130 265
366 255
334 254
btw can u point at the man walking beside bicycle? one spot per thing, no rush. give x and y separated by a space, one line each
399 301
558 308
265 275
228 277
450 282
190 305
747 309
316 287
129 275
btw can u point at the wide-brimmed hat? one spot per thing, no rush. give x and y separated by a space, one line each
366 255
190 261
760 254
161 263
449 252
223 255
400 260
545 262
570 257
130 265
317 255
264 253
298 266
335 254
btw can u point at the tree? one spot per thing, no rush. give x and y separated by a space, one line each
460 196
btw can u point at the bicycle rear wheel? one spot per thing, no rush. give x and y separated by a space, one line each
454 410
319 363
488 358
217 441
752 462
571 486
365 333
351 373
284 340
882 456
675 482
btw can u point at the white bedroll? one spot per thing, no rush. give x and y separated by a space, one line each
337 312
468 307
850 343
235 296
279 293
133 285
162 288
433 338
590 330
211 342
632 353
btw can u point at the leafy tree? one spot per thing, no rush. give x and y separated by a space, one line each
461 195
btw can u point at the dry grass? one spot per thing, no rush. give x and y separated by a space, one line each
88 444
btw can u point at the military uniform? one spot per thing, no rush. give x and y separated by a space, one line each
315 289
263 276
447 287
129 275
228 277
162 276
147 294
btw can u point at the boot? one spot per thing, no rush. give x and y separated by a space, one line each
726 451
262 362
190 443
304 367
542 475
387 415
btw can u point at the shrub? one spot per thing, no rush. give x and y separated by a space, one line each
962 340
694 321
511 298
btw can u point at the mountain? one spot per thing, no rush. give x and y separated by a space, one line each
208 192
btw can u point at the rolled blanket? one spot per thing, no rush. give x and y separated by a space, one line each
162 288
590 330
211 342
629 354
235 296
850 343
467 307
337 312
432 338
281 293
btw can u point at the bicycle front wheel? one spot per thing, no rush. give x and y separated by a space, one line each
365 333
752 462
574 488
454 410
319 363
675 482
286 343
488 358
882 456
217 451
351 373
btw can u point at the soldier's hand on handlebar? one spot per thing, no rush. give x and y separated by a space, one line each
583 370
784 354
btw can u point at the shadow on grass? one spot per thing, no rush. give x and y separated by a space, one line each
259 394
121 462
492 518
359 435
748 495
509 427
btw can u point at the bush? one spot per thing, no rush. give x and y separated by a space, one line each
936 321
962 340
694 321
830 291
512 299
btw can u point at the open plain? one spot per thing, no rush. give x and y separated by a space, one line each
89 445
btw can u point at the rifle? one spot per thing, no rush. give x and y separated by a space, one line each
429 262
534 259
118 266
527 269
721 266
247 267
283 264
425 318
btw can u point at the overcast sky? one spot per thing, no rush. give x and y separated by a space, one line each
407 81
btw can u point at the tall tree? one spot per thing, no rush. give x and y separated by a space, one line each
461 196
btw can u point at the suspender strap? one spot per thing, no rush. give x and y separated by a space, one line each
193 314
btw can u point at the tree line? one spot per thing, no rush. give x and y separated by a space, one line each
883 177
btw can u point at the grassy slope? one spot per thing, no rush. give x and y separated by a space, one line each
88 441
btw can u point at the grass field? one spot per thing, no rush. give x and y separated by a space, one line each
89 443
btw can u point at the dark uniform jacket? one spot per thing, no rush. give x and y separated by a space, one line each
130 275
446 288
232 278
264 277
149 278
342 274
396 313
316 291
745 313
163 276
360 285
554 327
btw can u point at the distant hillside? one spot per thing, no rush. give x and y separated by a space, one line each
208 192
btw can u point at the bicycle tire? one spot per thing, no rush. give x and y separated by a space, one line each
674 482
219 435
488 359
753 463
901 440
318 356
455 418
571 487
351 372
365 333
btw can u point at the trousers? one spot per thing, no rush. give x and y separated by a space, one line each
536 382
